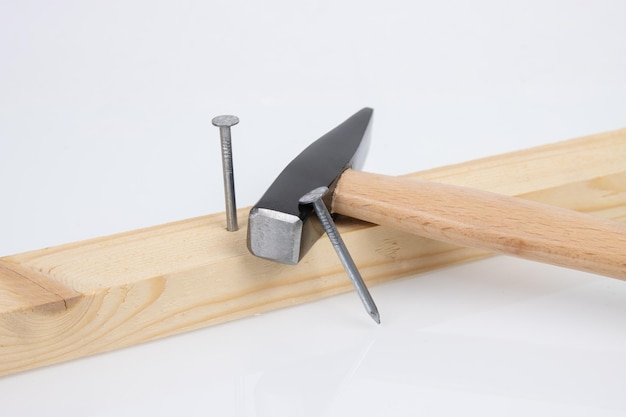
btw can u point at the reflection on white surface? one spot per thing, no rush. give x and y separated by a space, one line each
308 387
495 337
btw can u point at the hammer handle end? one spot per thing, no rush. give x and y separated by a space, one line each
485 220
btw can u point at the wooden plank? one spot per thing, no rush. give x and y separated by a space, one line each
74 300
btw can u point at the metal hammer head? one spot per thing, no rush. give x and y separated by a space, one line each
278 226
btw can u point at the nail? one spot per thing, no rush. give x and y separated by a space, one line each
315 198
224 123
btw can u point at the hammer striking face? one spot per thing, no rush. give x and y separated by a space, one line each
278 226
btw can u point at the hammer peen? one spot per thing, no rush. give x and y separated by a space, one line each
280 228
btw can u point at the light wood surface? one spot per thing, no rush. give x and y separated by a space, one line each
484 220
78 299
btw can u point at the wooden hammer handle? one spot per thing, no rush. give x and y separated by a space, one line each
485 220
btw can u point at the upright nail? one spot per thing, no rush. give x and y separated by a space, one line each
224 123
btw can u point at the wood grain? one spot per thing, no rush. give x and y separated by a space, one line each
78 299
484 220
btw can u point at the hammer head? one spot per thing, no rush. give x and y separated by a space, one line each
279 227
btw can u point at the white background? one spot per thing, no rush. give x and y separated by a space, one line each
105 112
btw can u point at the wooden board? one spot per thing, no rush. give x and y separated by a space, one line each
74 300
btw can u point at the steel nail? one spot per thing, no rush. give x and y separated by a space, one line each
224 123
314 197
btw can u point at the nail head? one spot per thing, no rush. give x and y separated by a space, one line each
313 195
225 121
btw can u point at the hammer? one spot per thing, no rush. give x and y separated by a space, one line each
280 226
